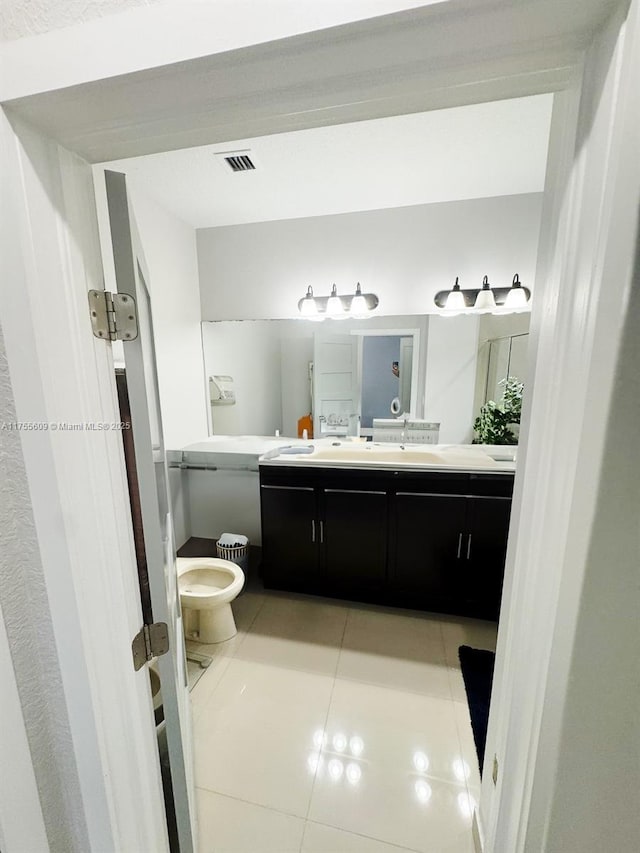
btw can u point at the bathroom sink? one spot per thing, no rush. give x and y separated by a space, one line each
378 454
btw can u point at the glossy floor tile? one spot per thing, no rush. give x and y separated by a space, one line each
387 768
319 838
251 739
468 748
297 633
326 727
227 825
391 649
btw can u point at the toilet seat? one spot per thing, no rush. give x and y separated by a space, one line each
207 585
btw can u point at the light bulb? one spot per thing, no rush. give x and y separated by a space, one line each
359 307
335 308
485 300
455 299
517 297
308 306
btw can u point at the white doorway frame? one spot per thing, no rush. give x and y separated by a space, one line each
415 363
45 279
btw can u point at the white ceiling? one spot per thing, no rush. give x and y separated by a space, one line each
492 149
23 18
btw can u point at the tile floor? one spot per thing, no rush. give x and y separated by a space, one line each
332 727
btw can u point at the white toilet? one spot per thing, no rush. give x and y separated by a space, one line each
207 587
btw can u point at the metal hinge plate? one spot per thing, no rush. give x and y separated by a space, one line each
113 315
150 642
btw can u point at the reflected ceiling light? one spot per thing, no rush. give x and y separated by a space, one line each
466 804
485 300
461 770
423 790
314 762
339 742
353 773
356 745
497 300
420 762
455 299
319 738
359 305
336 769
517 298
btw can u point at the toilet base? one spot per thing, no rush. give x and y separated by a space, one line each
213 625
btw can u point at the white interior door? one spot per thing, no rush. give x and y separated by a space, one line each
151 468
336 392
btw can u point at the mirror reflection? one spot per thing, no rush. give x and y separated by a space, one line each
334 378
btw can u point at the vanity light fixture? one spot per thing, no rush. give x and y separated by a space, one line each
359 305
496 300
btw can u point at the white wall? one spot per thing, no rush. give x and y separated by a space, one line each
32 660
250 353
405 255
452 354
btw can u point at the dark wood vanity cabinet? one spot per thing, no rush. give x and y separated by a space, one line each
289 533
354 537
427 540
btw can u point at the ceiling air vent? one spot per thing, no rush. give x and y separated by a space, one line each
237 161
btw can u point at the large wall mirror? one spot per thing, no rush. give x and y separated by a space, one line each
348 372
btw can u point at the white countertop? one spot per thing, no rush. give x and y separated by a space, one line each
419 457
249 451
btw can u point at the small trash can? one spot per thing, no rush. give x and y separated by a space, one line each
235 548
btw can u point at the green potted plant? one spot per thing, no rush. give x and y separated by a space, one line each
499 423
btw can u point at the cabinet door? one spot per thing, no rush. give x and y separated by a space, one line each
429 534
289 535
354 537
485 550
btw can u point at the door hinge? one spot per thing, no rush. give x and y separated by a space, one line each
114 316
150 642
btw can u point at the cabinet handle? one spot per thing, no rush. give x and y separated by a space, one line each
352 492
289 488
321 532
469 547
313 530
459 546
